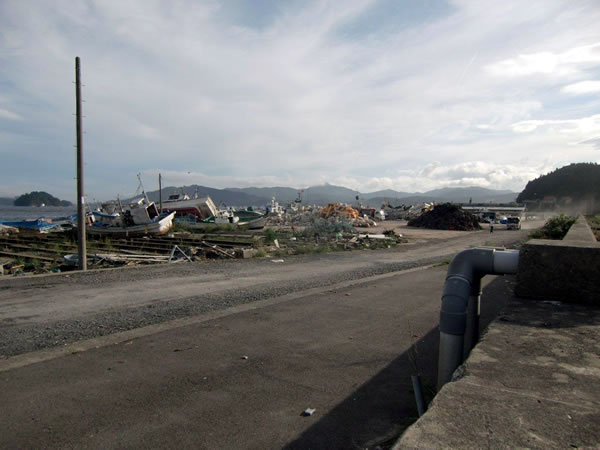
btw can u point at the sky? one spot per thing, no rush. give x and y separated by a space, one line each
410 95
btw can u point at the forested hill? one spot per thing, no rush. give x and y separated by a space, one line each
39 198
578 181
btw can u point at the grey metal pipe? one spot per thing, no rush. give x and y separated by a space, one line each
473 313
462 286
420 399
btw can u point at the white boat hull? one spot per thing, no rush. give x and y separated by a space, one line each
161 226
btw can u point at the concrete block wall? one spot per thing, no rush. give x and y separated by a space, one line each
567 270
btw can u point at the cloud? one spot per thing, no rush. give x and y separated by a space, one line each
595 142
547 63
293 93
582 87
482 174
6 114
585 126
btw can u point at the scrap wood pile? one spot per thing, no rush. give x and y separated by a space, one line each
57 252
177 254
417 210
446 216
338 210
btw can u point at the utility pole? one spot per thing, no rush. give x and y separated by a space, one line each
80 194
160 192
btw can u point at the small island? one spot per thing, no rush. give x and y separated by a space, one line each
40 198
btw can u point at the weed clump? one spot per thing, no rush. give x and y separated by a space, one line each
554 228
270 235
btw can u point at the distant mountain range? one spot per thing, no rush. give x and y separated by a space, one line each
321 195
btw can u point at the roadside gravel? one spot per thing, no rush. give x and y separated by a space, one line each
21 338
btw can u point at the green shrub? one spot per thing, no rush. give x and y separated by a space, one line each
554 228
270 235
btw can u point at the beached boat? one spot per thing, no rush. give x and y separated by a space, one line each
251 219
37 225
246 219
140 219
184 205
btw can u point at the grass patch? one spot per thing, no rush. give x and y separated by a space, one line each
260 253
270 235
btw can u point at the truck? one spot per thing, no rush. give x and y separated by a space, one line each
513 223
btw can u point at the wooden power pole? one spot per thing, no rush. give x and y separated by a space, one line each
160 191
81 222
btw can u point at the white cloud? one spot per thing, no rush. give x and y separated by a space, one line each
584 128
544 62
582 87
183 88
548 63
6 114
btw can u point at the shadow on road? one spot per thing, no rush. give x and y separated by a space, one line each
382 408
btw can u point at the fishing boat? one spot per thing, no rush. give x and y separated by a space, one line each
247 219
141 218
251 219
37 225
184 205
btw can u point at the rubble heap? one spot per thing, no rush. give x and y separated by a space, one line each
446 216
339 210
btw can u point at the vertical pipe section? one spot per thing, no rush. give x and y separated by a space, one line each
459 314
473 313
420 399
80 193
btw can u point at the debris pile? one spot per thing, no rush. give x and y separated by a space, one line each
446 216
298 218
417 210
339 210
6 229
333 213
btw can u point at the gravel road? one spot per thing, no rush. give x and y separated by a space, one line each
48 311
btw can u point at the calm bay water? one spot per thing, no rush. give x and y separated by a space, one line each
10 213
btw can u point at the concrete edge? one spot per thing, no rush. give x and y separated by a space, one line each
580 231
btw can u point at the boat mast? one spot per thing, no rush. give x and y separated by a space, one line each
141 186
160 191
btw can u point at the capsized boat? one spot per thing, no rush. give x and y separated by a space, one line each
184 205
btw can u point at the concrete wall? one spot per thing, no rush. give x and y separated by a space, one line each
567 270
